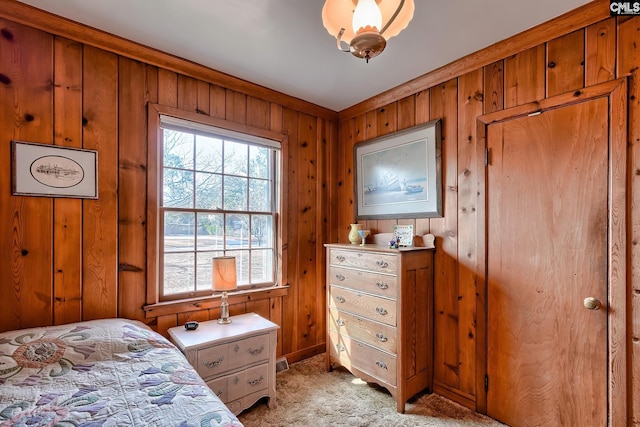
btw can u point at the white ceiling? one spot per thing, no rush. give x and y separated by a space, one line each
282 44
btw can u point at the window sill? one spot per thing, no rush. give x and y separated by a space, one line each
213 301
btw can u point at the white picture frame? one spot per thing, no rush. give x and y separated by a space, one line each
53 171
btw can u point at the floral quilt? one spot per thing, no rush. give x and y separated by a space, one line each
112 372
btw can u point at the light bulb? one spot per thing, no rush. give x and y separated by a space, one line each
367 14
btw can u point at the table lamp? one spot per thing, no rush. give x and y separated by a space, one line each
223 278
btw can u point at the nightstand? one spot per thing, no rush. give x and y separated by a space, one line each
237 360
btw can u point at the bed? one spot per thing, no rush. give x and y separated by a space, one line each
111 372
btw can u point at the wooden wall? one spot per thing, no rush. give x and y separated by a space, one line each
65 260
576 50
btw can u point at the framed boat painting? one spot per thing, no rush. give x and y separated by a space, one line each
53 171
399 175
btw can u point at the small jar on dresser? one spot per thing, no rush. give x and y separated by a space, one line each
236 360
380 315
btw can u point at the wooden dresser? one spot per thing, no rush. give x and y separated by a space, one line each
380 315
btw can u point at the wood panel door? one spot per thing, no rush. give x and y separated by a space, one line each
548 200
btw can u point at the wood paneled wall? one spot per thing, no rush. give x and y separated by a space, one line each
579 49
65 260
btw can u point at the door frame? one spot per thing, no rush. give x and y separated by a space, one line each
617 305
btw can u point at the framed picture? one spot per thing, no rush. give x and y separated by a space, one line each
53 171
399 175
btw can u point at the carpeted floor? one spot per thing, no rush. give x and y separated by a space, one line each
308 395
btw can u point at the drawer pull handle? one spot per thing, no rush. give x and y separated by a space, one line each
340 258
256 351
340 347
340 277
340 322
382 285
381 310
381 337
381 364
213 363
340 298
382 263
236 348
256 381
219 393
236 380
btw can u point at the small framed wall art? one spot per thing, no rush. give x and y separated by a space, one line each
399 175
53 171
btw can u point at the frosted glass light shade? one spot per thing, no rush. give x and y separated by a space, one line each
337 14
223 273
367 17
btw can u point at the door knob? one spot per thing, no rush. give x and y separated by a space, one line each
592 303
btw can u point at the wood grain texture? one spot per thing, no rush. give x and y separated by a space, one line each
600 49
565 63
100 217
494 87
67 213
26 91
524 77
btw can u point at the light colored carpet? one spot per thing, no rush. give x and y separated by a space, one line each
308 395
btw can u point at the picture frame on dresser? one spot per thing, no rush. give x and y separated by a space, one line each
400 175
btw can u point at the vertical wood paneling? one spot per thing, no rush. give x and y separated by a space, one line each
305 195
236 107
165 322
204 98
470 106
524 77
167 88
322 220
406 112
132 170
26 104
345 180
187 93
67 213
565 63
100 219
386 119
260 307
275 315
446 343
359 128
217 101
629 62
422 116
258 113
600 51
494 87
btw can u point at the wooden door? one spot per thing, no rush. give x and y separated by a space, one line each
547 229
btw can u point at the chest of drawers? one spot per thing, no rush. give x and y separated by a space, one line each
380 315
237 361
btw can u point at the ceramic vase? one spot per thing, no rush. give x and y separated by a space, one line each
354 237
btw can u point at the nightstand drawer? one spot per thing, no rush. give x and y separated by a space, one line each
374 333
354 354
212 360
373 283
383 263
369 306
248 351
248 381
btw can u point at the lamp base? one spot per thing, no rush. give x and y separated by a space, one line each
224 310
224 320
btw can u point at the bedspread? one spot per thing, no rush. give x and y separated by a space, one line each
111 372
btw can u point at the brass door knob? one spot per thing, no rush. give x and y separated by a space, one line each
592 303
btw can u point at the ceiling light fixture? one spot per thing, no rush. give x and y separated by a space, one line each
363 27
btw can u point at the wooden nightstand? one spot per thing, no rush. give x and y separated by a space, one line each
237 361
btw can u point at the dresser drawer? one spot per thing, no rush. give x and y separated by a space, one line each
235 386
373 283
382 263
366 305
354 354
222 358
375 333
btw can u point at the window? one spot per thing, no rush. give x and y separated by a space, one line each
218 197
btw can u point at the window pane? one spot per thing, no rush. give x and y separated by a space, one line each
210 232
178 273
204 269
177 188
235 193
259 162
179 233
261 231
236 157
261 266
237 231
259 195
208 191
209 154
178 149
242 266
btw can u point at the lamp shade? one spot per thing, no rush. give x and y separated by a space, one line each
338 14
223 273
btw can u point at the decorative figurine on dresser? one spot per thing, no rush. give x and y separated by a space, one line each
380 313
